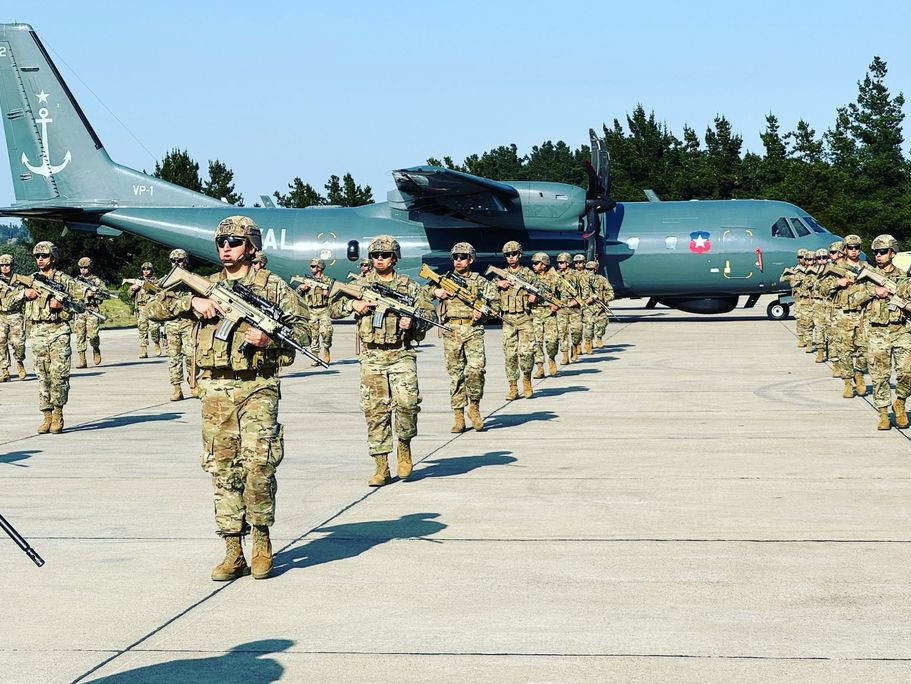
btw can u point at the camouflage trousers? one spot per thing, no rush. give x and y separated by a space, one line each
463 350
180 349
11 335
600 323
820 324
52 355
518 346
242 445
389 384
803 314
85 329
850 342
888 347
589 321
320 327
144 326
546 339
569 327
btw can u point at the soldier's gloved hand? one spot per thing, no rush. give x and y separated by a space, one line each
360 306
257 337
206 308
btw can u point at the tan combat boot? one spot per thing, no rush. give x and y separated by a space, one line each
404 459
849 390
835 372
800 342
810 348
261 563
884 422
574 356
820 355
96 356
552 366
176 393
588 346
4 376
21 369
539 371
45 427
57 420
81 362
860 385
526 387
143 352
459 424
157 349
195 391
598 343
234 565
381 476
326 356
314 363
474 415
513 392
901 415
565 360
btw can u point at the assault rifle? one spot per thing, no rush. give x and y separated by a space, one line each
354 276
100 291
311 283
240 304
525 285
52 289
24 545
384 299
841 271
146 285
895 302
457 286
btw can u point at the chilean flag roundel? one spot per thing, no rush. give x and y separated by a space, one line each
699 241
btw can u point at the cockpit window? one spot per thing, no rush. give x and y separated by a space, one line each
814 224
801 229
781 229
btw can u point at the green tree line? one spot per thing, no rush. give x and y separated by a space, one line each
854 177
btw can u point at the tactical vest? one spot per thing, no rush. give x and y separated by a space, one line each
315 297
39 311
515 300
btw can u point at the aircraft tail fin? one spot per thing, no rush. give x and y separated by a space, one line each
56 158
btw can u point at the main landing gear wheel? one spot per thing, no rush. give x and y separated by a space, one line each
777 311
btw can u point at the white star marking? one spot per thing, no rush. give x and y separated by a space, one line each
700 241
42 96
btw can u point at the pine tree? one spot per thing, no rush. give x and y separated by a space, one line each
301 195
221 184
179 168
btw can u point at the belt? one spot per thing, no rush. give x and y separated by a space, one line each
229 374
391 345
460 321
885 325
852 311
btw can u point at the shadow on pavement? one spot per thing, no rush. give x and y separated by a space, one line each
137 362
13 456
569 372
557 391
122 421
353 539
444 467
243 664
311 373
502 420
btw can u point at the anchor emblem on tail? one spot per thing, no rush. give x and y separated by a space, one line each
46 168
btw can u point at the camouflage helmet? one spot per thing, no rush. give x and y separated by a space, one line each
148 265
884 241
512 246
385 243
260 258
318 262
578 257
178 254
853 240
563 256
801 253
240 226
463 248
822 252
364 262
592 265
45 247
837 246
543 257
6 259
84 262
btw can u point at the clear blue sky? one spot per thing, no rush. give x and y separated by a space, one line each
278 90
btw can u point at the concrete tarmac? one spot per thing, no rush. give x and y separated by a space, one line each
694 502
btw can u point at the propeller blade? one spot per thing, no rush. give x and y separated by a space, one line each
600 164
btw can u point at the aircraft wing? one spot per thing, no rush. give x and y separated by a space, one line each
439 190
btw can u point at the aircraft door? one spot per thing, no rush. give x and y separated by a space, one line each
738 253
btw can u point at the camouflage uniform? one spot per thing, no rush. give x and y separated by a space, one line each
602 290
544 317
141 298
888 338
12 332
317 300
389 379
243 443
518 329
822 308
85 325
794 279
179 340
569 318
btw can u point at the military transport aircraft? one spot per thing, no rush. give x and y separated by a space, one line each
697 256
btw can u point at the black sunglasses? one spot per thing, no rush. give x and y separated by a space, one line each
852 246
147 269
461 256
382 255
562 262
535 263
230 240
509 254
176 261
881 251
834 251
83 268
42 256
